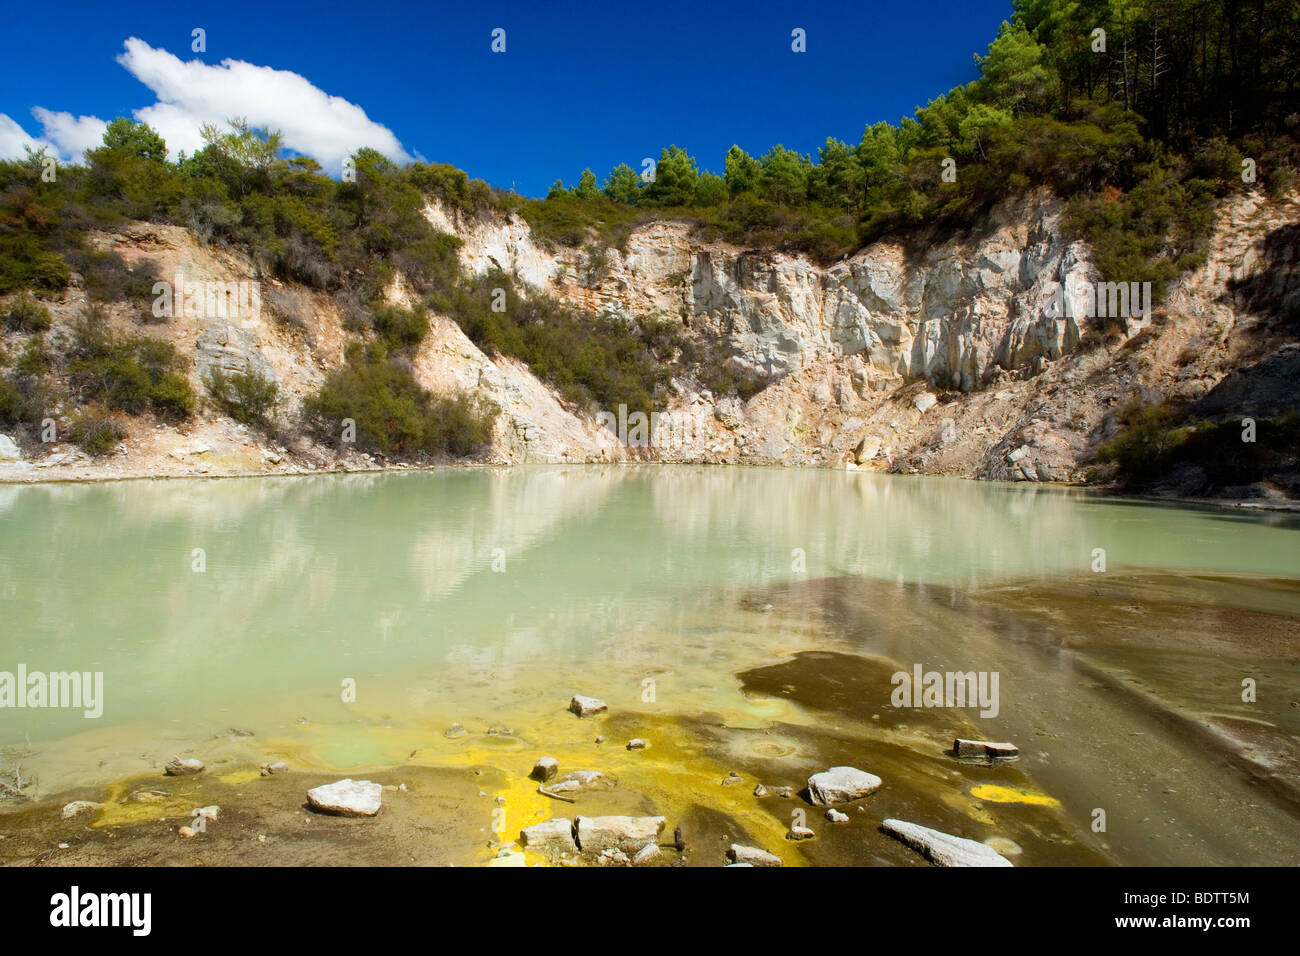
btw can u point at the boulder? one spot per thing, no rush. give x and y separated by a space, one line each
9 450
552 837
751 856
841 785
943 849
545 769
586 706
347 798
984 748
628 834
183 766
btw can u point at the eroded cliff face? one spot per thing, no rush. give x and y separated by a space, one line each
965 354
968 355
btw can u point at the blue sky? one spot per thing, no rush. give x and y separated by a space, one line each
580 84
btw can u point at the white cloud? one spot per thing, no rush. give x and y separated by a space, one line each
71 135
328 128
190 94
13 138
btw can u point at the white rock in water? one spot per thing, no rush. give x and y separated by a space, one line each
545 769
636 743
583 706
841 785
800 833
77 807
943 849
751 856
984 748
177 767
270 769
9 450
348 798
835 816
552 836
629 834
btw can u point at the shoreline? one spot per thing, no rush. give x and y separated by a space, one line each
1271 506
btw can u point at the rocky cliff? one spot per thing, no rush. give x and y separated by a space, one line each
969 354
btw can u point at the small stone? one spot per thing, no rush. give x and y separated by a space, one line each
751 856
760 791
186 832
183 767
454 731
984 748
612 857
545 769
646 855
800 833
349 798
636 743
586 706
732 779
78 807
270 769
841 785
835 816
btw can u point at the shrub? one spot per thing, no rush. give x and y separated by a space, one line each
393 415
25 314
247 397
95 431
127 374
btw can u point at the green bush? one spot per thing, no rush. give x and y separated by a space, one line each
127 374
25 314
393 415
247 397
95 431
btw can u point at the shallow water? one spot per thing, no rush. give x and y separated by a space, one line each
490 597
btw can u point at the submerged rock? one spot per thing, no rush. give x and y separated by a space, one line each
78 807
751 856
279 766
984 748
835 816
183 767
146 796
545 768
784 792
552 837
841 785
943 849
800 833
582 780
628 834
347 798
636 743
454 731
586 706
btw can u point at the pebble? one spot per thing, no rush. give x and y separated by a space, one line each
835 816
636 743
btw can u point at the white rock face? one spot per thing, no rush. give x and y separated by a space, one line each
627 834
943 849
9 450
841 785
347 798
751 856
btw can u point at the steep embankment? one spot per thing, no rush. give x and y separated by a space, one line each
942 355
